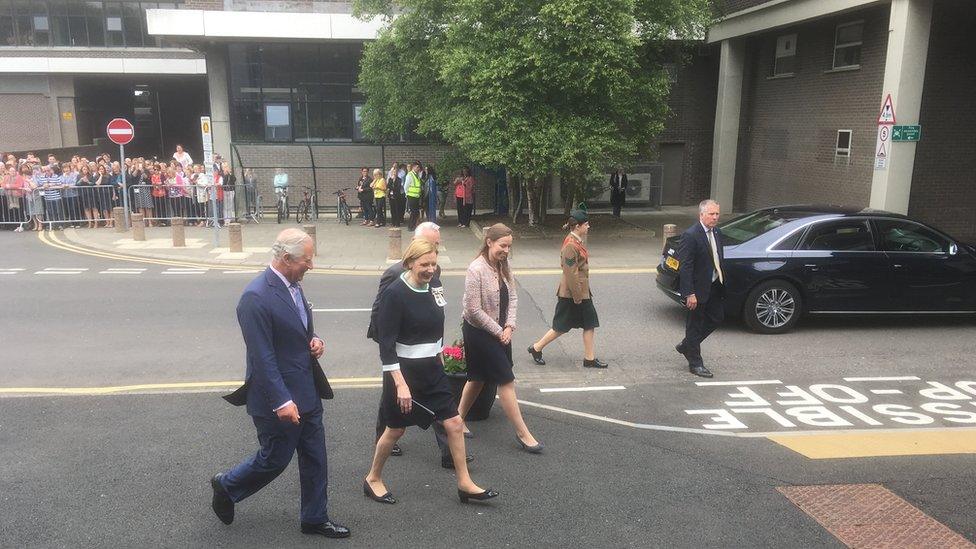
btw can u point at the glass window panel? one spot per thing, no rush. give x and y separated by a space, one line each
245 71
905 236
277 115
248 121
132 24
850 33
840 236
846 57
147 39
77 27
8 29
41 25
23 23
113 25
337 120
95 20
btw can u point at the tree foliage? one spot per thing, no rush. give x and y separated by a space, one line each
537 86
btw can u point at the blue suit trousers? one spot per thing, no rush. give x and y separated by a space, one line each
279 442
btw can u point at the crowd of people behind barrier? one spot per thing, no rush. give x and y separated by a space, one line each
83 192
409 191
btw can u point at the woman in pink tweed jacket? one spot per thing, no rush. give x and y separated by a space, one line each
490 302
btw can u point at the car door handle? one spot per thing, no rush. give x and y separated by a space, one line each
812 267
897 265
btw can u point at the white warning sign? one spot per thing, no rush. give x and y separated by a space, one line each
887 114
883 148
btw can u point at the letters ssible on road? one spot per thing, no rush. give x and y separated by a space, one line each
863 403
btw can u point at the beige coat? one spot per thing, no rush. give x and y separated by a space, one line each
575 282
480 303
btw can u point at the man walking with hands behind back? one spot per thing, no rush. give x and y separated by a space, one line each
701 281
282 390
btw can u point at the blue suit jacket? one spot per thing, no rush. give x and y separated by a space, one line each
697 267
279 365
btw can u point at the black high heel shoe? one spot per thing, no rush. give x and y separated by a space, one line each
385 498
537 449
481 496
536 356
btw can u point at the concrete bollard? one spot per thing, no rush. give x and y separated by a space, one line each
670 230
179 233
118 215
236 239
138 228
310 231
395 252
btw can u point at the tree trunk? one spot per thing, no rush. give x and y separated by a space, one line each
511 185
533 201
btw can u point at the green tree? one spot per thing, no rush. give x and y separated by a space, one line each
540 87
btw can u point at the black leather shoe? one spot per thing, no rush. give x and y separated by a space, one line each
680 348
448 463
481 496
396 450
537 449
536 356
327 529
222 505
595 363
700 371
385 498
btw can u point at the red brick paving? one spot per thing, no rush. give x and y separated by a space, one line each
871 516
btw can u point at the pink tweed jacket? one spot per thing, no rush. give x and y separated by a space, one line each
481 298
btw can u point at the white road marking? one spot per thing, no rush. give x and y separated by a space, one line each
17 269
123 271
645 426
581 389
895 378
239 272
182 271
341 310
59 271
886 391
735 383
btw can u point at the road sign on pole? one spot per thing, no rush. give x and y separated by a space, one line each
121 132
906 133
887 115
206 133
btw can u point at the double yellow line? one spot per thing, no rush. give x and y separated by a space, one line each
197 386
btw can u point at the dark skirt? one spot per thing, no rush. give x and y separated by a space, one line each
569 315
487 359
429 387
103 197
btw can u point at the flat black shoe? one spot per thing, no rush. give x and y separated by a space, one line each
385 498
595 363
222 505
481 496
536 356
448 463
396 450
700 371
327 529
537 449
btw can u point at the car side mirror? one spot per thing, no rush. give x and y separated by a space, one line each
953 249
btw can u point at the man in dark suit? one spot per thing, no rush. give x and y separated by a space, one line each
701 281
431 232
282 390
618 190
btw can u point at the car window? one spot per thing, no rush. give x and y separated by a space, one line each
905 236
790 242
849 235
749 226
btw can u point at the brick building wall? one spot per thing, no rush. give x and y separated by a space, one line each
24 122
692 120
944 181
788 128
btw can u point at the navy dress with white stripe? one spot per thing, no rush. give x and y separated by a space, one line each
410 325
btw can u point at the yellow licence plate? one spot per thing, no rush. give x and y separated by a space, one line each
671 262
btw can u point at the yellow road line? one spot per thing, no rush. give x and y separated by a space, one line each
888 443
346 382
55 242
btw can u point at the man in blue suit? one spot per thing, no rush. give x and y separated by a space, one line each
701 281
282 390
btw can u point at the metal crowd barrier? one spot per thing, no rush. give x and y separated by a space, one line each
57 207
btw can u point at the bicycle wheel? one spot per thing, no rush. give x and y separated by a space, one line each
282 211
346 213
301 216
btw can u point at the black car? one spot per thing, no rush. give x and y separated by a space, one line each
785 261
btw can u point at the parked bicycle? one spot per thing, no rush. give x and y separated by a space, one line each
304 213
343 213
282 205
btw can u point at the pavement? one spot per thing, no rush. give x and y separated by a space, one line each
358 248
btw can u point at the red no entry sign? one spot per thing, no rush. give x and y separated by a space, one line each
120 131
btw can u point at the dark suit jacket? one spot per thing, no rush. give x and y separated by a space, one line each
279 365
618 187
389 275
696 266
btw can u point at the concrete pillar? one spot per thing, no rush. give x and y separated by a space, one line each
118 217
138 228
179 232
310 230
725 142
395 251
236 239
217 87
908 47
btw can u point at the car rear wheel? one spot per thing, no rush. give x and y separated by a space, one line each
773 307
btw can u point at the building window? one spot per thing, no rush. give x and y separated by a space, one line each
277 122
76 23
785 61
842 150
847 45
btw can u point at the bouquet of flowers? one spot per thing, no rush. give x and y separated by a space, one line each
454 358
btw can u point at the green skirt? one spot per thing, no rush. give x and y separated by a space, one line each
569 315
